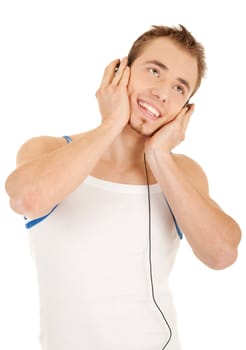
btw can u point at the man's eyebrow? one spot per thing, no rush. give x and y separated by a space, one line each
158 63
164 67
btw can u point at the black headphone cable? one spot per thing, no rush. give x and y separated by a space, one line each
150 261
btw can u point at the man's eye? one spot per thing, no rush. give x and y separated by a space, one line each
179 89
154 72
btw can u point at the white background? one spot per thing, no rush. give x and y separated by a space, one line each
53 54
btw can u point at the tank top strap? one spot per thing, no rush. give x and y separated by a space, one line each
67 138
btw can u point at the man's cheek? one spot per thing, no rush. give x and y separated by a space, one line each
168 119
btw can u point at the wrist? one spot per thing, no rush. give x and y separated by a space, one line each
158 157
112 124
154 151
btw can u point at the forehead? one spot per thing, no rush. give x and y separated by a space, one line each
178 61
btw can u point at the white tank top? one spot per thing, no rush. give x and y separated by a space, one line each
93 268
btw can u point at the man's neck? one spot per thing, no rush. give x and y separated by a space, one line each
127 149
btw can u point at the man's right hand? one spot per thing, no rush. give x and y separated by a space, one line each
112 94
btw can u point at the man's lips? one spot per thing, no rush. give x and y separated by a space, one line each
150 111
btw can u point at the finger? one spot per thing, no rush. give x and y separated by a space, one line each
109 73
186 109
125 77
120 71
191 108
187 116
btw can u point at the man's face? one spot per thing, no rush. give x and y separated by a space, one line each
162 79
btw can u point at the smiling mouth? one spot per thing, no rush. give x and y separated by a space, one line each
149 109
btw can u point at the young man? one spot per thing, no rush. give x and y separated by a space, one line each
106 209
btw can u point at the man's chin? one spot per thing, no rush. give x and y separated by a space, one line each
142 128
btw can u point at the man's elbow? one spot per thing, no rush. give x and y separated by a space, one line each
223 259
23 206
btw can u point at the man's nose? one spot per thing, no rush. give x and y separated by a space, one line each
161 92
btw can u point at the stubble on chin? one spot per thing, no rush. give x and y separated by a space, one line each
141 128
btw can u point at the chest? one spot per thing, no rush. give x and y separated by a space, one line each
123 174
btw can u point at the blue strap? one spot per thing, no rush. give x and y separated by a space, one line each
180 233
67 138
36 221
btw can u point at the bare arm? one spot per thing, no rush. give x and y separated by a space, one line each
48 168
212 234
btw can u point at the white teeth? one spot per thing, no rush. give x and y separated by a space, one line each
151 109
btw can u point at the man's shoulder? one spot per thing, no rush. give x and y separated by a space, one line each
192 170
184 161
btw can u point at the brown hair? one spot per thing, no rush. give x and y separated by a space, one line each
179 35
